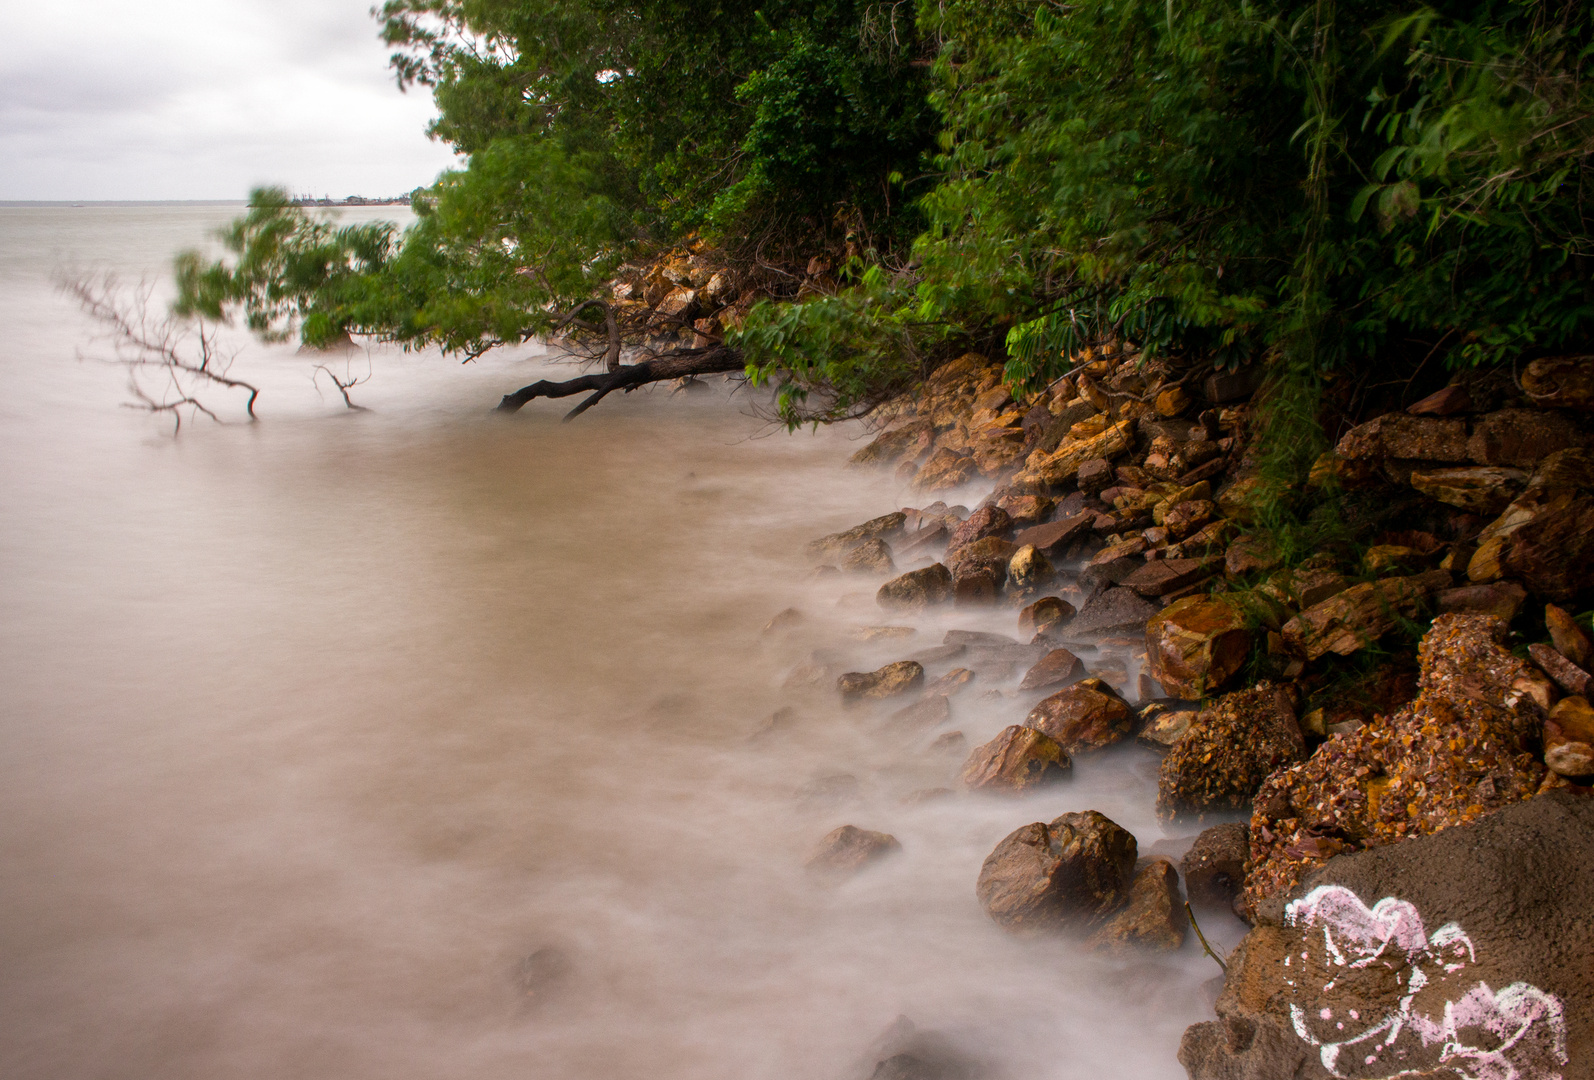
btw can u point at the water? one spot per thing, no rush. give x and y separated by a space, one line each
312 731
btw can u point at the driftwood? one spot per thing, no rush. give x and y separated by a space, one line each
676 364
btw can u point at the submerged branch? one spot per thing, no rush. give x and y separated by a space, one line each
676 364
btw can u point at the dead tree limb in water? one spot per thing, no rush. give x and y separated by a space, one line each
344 385
181 362
676 364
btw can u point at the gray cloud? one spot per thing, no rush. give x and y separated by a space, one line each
193 99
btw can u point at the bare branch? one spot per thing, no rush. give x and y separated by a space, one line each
675 364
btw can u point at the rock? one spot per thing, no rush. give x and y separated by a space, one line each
847 850
1207 543
1055 669
1018 760
1462 954
976 637
1229 750
1153 919
1085 716
1095 476
909 440
1196 645
1070 874
916 589
1253 554
1053 538
1223 387
946 469
869 557
1044 615
989 553
1169 575
1569 738
1087 388
950 683
1416 438
1503 599
1361 614
1545 537
1114 609
538 975
1186 517
984 522
1028 571
1567 675
1214 867
1561 382
1482 489
1521 437
1384 558
1063 464
1173 402
1163 722
929 712
1303 588
836 545
976 587
1569 638
1446 402
1242 499
889 681
783 620
1460 750
1026 509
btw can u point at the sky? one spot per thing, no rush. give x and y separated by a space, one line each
203 99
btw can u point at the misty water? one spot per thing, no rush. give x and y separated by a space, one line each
422 742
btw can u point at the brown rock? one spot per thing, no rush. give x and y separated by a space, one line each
1387 558
1188 516
889 681
1112 610
1087 388
1196 645
1214 867
1163 723
1416 438
832 547
916 589
1446 402
1229 750
1567 675
1085 716
1026 509
984 522
909 440
1046 614
1053 538
1482 489
1253 554
783 620
1521 437
1028 571
928 713
1361 614
990 553
1153 919
1503 599
1303 588
945 470
870 557
847 850
976 587
951 683
1173 402
1055 669
1569 738
1545 539
1063 464
1569 638
1242 499
1095 476
1562 382
1169 575
1070 874
1018 760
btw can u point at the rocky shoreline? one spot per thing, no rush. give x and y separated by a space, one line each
1393 738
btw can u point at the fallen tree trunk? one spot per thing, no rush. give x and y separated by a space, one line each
678 364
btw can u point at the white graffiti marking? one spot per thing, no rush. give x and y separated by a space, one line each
1384 953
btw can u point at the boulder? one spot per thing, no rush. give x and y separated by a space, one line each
1398 435
976 587
1164 576
1055 669
1545 539
847 850
1461 749
1154 917
1569 639
832 547
1560 382
1469 953
1068 875
1174 401
1112 610
1062 465
1481 489
1569 738
909 440
1503 599
1026 509
946 469
1018 760
1361 614
1054 537
916 589
984 522
1232 747
1163 722
989 553
1085 716
1214 867
1095 476
1044 615
1196 645
1521 437
889 681
869 557
1028 571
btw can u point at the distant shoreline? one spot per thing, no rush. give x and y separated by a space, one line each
353 200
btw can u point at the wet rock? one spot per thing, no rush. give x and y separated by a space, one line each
1095 476
1397 435
1112 610
1254 554
1186 517
1162 723
1018 760
1085 716
926 714
1567 675
976 587
1214 867
783 620
952 742
1569 639
1029 571
951 683
1044 615
1196 645
882 633
1561 382
1361 614
976 637
946 469
889 681
1460 750
819 670
1229 750
1154 918
1446 402
1569 738
1304 587
1026 509
1062 465
1461 954
869 557
1503 599
909 440
1055 669
845 851
1521 437
1053 538
984 522
940 654
1169 575
988 553
916 589
1070 874
1545 538
1481 489
834 546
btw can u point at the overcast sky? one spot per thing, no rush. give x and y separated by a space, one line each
201 99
